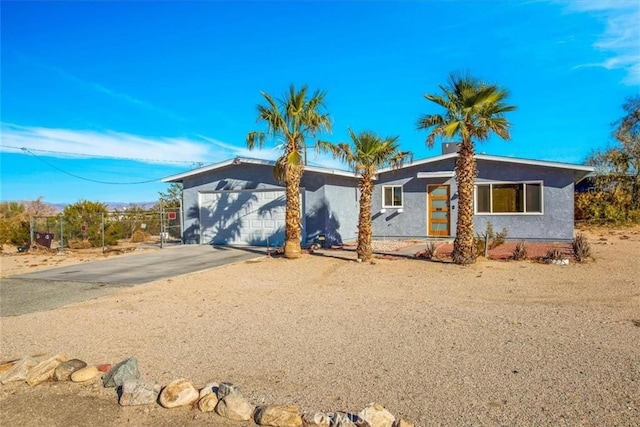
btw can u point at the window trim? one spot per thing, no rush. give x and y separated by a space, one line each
491 183
401 206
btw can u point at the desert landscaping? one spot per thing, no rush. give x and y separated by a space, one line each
495 343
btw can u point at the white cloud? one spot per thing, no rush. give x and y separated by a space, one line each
70 143
621 37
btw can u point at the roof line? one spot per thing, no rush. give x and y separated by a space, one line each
239 160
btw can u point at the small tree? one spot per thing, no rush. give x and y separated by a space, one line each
617 179
173 195
369 153
83 220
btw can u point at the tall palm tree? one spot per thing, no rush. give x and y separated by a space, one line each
369 152
291 119
472 110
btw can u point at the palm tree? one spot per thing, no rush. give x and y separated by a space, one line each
292 119
368 154
473 110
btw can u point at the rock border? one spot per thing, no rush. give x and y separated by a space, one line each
225 399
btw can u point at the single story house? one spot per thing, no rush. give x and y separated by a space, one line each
239 201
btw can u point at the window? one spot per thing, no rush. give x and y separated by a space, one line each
524 197
392 196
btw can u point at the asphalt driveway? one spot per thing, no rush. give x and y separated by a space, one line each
49 289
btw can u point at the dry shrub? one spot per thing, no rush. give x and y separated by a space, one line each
79 244
139 236
520 252
581 247
555 254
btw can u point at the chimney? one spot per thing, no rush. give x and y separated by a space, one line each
450 147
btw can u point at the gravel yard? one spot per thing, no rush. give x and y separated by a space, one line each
495 343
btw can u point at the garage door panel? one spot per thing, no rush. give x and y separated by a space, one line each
243 218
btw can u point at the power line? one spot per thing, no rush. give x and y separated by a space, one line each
98 156
26 150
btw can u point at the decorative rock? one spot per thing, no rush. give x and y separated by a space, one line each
278 416
65 369
403 423
44 370
104 367
209 388
377 416
136 392
344 419
225 389
208 402
235 407
315 419
19 371
125 370
85 374
178 393
4 367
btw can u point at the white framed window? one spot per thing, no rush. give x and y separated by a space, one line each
509 198
392 196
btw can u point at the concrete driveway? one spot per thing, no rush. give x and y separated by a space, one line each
49 289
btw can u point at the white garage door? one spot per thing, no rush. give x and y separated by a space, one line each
242 218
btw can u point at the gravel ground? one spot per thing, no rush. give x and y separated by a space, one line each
496 343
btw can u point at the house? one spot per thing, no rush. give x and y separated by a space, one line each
240 202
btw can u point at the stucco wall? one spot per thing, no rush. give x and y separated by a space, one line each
329 200
557 220
556 223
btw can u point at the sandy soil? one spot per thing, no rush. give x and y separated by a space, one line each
496 343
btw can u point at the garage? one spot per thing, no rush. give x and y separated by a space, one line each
245 217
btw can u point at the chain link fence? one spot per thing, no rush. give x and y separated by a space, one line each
102 230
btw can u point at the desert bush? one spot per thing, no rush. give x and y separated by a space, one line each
139 236
520 251
79 244
494 239
581 247
555 254
430 250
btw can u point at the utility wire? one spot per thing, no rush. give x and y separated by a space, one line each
98 156
26 150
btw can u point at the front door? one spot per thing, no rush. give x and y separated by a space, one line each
438 210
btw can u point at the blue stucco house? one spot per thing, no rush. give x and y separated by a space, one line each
239 201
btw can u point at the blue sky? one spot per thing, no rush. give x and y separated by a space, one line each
130 92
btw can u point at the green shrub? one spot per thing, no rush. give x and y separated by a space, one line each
494 239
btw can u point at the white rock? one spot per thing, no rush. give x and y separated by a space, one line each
208 402
178 393
235 407
44 370
315 419
19 371
278 416
377 416
85 374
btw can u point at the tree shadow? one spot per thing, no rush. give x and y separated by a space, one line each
321 220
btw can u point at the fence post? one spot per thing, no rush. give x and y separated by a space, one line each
31 231
61 233
161 226
102 232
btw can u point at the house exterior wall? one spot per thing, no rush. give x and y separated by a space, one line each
556 222
328 201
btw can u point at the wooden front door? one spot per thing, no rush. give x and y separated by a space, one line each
438 210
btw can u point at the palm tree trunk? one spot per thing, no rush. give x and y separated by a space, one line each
293 214
364 249
464 250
